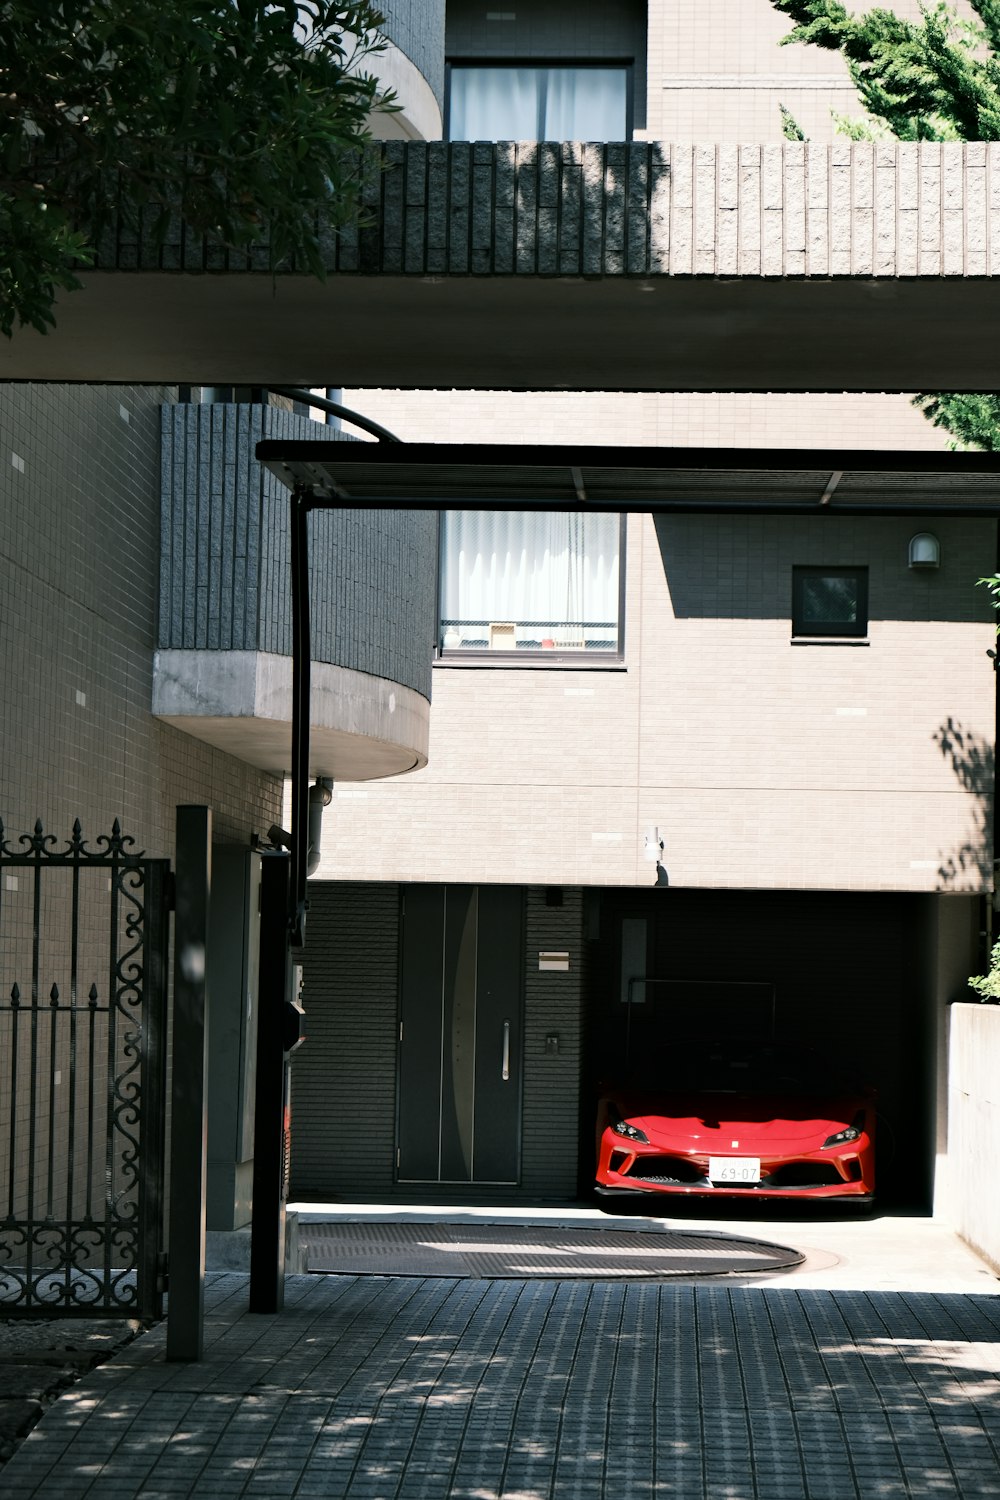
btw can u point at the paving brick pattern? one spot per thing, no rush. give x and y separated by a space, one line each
375 1388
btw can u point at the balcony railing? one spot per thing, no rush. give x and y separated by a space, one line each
517 636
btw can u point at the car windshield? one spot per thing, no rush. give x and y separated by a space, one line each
743 1067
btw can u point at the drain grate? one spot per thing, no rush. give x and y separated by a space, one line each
493 1251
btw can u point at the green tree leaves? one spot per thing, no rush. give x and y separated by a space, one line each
973 418
935 80
237 118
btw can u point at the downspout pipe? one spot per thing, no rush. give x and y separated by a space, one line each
320 797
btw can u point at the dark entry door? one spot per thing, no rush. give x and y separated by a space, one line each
460 1034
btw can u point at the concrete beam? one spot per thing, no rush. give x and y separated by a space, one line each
852 266
516 333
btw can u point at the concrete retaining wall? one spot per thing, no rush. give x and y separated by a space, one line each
974 1126
646 208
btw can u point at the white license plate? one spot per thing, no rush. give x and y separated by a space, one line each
724 1169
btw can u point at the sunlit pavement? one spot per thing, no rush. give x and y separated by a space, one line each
885 1252
873 1370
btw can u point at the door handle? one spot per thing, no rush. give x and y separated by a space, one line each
505 1056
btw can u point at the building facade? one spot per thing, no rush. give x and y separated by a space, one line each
667 752
679 780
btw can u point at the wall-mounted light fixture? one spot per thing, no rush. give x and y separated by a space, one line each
925 550
652 849
652 845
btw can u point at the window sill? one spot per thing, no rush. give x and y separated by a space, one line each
830 640
510 661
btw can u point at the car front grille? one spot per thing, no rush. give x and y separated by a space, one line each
805 1174
667 1169
681 1171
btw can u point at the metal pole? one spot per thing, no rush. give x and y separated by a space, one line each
267 1234
189 1103
301 503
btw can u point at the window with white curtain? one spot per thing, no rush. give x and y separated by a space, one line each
530 582
537 102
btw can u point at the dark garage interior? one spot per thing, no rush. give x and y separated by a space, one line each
848 978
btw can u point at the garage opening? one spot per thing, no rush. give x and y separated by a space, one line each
832 974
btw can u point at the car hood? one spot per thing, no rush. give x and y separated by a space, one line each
747 1122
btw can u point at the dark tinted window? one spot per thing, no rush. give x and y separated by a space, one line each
829 601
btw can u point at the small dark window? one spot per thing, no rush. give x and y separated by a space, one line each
830 601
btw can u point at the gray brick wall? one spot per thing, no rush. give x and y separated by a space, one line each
483 209
79 574
225 578
344 1074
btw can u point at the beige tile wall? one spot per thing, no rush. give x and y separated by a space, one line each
763 764
653 419
717 72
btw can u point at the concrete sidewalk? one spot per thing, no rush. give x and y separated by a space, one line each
801 1387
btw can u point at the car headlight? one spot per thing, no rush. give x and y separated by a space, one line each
850 1132
622 1127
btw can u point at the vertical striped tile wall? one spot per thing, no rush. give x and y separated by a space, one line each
224 567
344 1074
647 208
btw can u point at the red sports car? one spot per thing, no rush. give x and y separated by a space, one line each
766 1122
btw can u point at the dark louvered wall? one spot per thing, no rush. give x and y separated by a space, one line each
344 1075
553 1006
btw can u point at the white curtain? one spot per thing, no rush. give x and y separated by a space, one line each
584 104
530 567
537 104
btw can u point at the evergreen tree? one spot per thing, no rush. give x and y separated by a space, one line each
933 80
973 418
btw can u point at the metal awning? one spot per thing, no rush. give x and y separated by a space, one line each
333 474
436 476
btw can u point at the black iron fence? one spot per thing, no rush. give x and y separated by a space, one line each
83 986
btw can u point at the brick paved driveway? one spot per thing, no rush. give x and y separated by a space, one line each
385 1387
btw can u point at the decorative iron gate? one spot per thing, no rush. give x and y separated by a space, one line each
83 971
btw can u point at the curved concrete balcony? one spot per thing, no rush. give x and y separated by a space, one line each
639 266
412 66
363 727
222 670
418 115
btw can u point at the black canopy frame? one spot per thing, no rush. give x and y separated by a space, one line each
330 474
